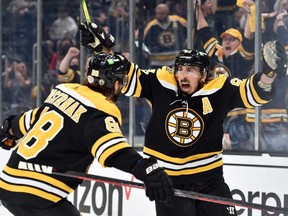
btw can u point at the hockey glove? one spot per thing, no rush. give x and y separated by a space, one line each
275 59
7 141
157 183
94 37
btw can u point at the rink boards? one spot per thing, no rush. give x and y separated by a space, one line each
260 179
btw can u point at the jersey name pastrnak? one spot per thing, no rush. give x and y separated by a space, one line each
67 104
184 127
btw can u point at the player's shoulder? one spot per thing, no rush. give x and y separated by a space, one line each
216 82
165 76
91 99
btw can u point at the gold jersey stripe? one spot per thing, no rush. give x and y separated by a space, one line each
179 160
22 124
195 170
34 175
254 93
243 94
110 151
104 139
29 190
130 76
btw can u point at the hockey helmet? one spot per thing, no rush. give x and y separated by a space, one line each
105 68
189 57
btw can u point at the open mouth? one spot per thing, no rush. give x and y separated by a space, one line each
185 85
228 48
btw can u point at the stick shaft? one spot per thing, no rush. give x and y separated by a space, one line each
85 11
179 193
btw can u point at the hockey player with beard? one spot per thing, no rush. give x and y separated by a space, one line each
76 124
188 109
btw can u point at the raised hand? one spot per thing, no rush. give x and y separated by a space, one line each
94 37
275 59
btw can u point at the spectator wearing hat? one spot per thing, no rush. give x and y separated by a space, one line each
235 55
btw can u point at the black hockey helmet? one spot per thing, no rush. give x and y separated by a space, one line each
105 68
190 57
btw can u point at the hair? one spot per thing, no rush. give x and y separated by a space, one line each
107 92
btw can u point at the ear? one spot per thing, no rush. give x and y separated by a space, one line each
203 78
117 86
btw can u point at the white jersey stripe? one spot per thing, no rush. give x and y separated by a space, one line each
33 183
108 145
190 165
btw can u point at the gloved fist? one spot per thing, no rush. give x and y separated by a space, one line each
94 37
158 184
275 59
7 141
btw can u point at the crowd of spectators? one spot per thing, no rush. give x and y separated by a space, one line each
223 28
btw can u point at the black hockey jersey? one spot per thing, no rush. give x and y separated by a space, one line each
74 126
185 134
239 63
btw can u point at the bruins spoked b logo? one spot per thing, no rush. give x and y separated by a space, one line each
184 127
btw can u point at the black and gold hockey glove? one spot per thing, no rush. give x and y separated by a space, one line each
94 37
7 141
157 183
275 59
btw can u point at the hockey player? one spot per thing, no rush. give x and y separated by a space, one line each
185 130
76 124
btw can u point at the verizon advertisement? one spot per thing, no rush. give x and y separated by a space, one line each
256 179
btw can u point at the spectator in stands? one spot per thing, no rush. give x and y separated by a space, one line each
69 68
101 18
118 22
165 36
281 27
235 55
224 10
17 86
64 26
281 15
19 24
50 74
178 7
274 116
267 14
63 46
208 10
273 127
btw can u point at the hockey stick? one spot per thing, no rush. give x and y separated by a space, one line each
85 11
178 193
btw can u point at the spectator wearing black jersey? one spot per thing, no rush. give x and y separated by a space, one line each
233 55
165 36
273 134
76 124
69 68
185 129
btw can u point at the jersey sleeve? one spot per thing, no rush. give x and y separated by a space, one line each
138 82
22 123
251 95
106 141
145 83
